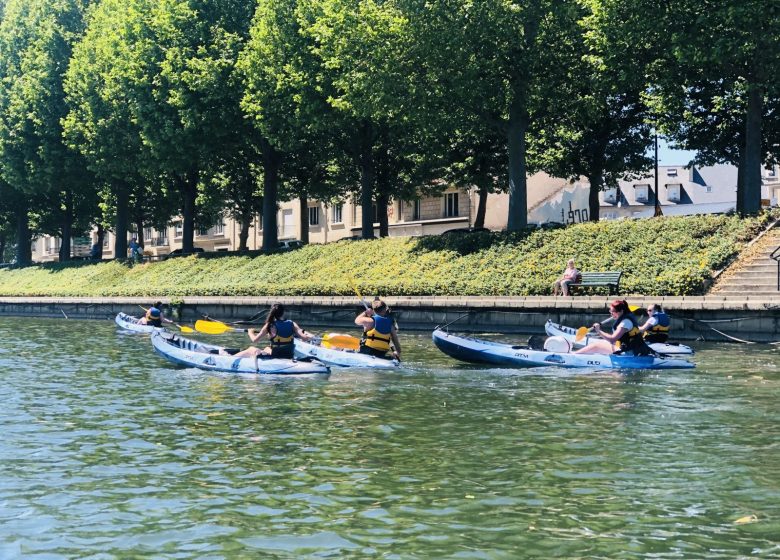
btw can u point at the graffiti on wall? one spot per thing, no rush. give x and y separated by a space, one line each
574 216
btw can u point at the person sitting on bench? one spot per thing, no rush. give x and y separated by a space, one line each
570 276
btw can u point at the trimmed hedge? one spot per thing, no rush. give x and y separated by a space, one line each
658 256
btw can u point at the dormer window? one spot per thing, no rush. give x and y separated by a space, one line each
671 172
610 196
673 192
642 193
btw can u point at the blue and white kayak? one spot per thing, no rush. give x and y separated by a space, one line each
570 334
479 351
341 356
130 323
192 353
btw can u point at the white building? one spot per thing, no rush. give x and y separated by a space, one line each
695 190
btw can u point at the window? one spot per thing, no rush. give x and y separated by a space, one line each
671 172
642 193
178 229
673 192
314 215
147 233
338 211
416 210
33 245
106 237
203 230
610 196
451 205
770 171
219 228
709 188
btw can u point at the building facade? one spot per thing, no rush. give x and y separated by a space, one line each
681 190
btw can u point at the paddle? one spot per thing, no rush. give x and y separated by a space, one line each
582 332
336 340
215 327
182 328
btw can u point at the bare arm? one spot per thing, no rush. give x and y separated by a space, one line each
614 337
301 333
255 335
365 320
396 344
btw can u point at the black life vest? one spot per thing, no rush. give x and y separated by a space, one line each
632 340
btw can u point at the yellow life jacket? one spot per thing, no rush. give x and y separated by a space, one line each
378 338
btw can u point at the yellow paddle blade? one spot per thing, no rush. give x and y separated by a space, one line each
633 308
582 332
211 327
335 340
186 329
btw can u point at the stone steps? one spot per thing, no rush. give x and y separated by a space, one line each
754 273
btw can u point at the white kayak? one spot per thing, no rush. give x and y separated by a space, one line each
479 351
570 334
130 323
341 356
188 352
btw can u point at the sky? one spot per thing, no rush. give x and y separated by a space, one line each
669 156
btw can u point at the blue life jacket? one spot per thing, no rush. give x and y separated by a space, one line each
284 333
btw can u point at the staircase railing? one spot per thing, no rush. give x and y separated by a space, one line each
776 257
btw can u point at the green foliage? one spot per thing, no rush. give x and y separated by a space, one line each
659 256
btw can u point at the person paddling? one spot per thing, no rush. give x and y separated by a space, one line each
656 328
625 337
280 331
378 331
154 316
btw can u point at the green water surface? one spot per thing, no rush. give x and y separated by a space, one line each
108 451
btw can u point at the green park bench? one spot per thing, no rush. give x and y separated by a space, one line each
594 279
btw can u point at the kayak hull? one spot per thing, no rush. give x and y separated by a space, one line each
130 323
570 334
341 357
192 353
479 351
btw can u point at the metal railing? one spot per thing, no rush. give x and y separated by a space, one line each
776 257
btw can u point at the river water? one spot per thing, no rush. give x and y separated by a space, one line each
107 451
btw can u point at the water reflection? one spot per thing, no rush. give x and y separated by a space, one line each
109 452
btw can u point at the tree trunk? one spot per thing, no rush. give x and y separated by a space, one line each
2 247
122 220
741 182
382 201
596 181
67 226
518 195
271 162
188 185
23 241
139 228
479 221
101 234
367 181
243 234
303 203
753 159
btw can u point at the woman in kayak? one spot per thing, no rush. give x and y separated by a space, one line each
656 328
378 331
154 316
625 336
280 331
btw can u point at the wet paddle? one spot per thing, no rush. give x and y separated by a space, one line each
215 327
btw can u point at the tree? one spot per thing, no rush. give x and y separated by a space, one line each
716 88
600 126
499 62
36 37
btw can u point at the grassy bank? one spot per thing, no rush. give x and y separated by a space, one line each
660 256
